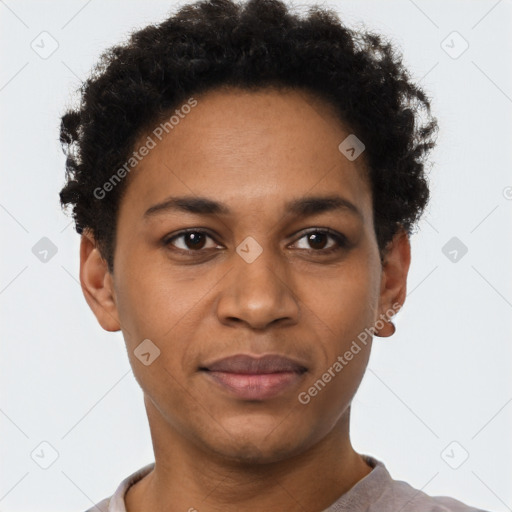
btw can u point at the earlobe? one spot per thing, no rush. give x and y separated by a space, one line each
395 269
97 284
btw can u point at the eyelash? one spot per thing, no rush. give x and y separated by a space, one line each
340 240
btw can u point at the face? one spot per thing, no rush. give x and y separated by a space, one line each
268 266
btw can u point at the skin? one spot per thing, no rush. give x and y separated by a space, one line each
252 151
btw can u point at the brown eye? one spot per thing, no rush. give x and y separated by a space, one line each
192 241
319 238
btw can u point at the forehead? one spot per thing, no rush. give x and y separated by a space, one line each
252 150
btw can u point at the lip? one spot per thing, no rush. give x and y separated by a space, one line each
255 386
252 365
255 378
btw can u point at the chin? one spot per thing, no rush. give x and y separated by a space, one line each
256 446
251 455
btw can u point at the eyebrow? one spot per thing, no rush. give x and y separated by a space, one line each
302 207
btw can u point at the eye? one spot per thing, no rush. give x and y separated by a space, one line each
317 238
193 240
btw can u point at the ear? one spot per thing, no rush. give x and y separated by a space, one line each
395 267
97 284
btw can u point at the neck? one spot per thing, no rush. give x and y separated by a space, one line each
188 478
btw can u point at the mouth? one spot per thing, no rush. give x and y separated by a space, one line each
251 378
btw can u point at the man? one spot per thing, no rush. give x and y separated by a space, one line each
245 182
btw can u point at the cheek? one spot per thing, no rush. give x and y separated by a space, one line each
334 380
160 309
151 304
342 309
344 301
150 310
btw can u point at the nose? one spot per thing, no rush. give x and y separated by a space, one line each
258 294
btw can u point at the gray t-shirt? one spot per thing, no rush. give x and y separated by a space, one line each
376 492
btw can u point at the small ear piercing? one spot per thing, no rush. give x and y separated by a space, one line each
387 331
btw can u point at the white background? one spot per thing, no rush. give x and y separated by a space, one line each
444 376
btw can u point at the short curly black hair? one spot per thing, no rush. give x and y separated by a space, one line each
215 43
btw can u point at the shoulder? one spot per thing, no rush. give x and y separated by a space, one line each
102 506
116 502
410 499
382 494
